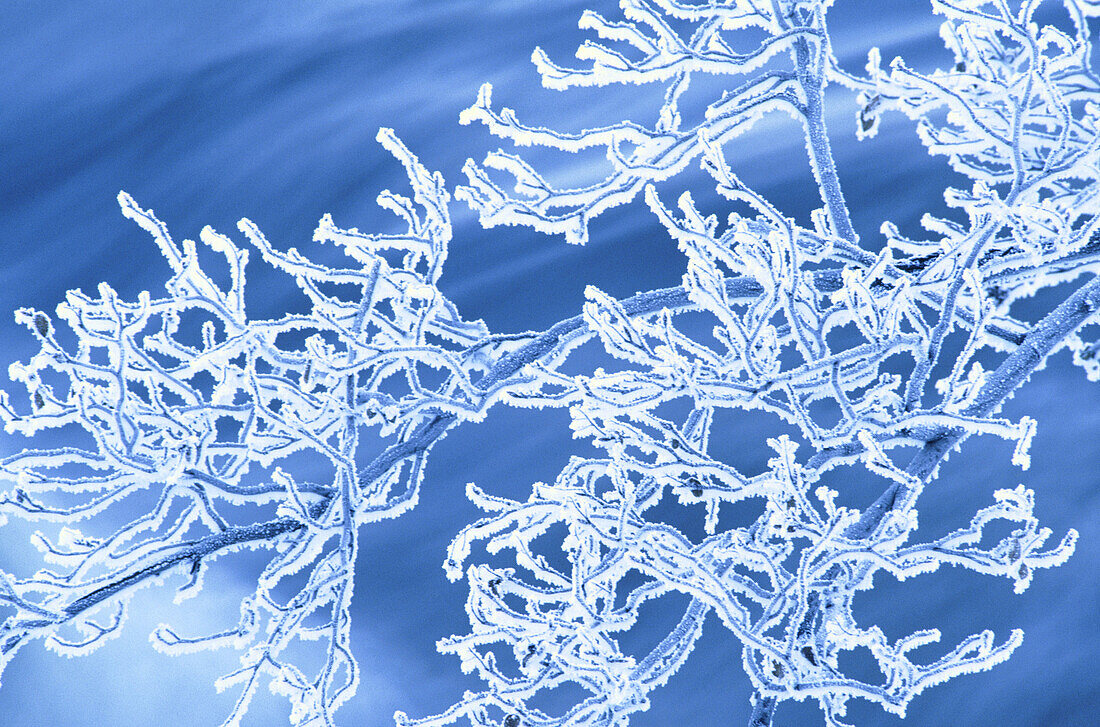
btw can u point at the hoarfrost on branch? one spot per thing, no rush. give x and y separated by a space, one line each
324 420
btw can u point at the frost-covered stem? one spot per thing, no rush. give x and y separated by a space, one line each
194 553
417 443
1039 343
763 710
826 281
811 78
1047 334
915 386
675 647
637 305
199 549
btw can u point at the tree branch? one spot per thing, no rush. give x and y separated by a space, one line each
1043 339
193 552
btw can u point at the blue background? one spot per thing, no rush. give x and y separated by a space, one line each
209 111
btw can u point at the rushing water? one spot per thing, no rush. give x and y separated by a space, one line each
207 111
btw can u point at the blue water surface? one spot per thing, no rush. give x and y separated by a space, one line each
209 111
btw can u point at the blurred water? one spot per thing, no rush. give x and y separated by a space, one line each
208 111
